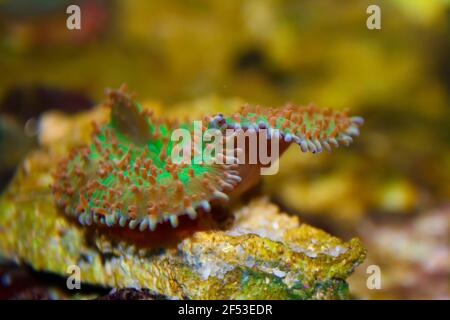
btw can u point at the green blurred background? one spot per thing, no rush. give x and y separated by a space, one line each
390 188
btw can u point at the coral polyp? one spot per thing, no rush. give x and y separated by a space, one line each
127 177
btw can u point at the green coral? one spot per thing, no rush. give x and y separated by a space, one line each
127 175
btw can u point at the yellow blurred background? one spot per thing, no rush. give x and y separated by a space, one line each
187 57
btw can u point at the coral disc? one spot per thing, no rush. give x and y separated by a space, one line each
126 177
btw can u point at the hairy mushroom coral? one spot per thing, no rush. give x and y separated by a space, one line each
127 176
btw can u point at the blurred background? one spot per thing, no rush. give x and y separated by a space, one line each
391 188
